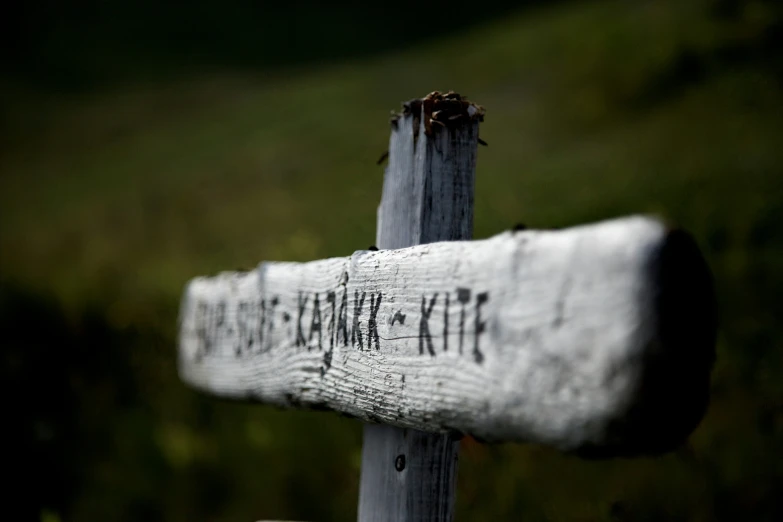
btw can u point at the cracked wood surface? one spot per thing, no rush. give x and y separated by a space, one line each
597 339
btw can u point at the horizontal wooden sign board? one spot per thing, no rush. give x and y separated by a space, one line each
597 339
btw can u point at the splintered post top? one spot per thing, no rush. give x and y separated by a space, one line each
439 110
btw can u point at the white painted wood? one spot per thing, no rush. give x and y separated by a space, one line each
407 474
428 187
596 338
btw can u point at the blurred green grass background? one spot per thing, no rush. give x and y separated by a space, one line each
132 161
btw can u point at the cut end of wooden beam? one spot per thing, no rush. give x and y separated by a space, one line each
672 393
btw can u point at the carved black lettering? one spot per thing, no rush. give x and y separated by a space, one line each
261 324
399 317
220 322
202 312
302 303
446 325
252 311
342 320
463 296
481 299
424 325
241 327
331 298
211 329
372 323
271 321
315 324
356 333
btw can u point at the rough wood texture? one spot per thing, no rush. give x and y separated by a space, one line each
428 187
407 474
597 339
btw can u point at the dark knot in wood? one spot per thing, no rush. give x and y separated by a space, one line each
399 463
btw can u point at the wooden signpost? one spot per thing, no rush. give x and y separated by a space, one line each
597 340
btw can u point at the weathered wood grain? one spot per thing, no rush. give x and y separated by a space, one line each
597 339
428 187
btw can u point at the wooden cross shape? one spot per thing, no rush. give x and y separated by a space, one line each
597 340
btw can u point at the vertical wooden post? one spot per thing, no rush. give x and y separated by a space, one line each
427 196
